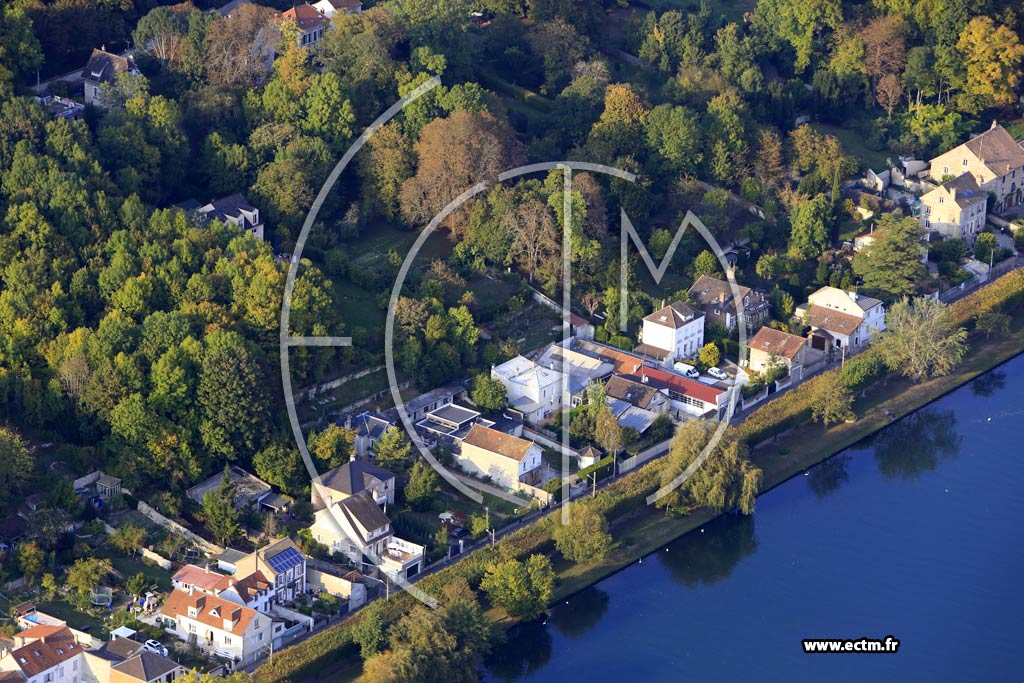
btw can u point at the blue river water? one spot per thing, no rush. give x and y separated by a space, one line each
914 533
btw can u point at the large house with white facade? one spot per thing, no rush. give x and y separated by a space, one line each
674 331
842 320
357 527
532 389
218 626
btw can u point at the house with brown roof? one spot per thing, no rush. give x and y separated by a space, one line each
772 348
995 160
218 626
719 303
190 577
104 67
674 331
957 208
506 459
254 591
146 667
311 22
44 653
636 394
842 320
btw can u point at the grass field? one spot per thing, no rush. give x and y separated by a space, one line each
853 143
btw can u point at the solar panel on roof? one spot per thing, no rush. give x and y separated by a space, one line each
285 560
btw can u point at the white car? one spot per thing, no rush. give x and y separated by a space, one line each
717 373
155 646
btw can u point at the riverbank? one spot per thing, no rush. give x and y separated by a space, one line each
787 455
646 529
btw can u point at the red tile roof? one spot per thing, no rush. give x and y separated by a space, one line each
47 652
306 16
777 342
38 631
211 611
199 577
687 387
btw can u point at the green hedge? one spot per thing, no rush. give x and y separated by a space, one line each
604 468
527 97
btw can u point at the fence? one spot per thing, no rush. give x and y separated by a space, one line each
172 526
999 269
308 393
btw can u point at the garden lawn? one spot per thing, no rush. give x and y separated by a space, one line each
853 143
74 618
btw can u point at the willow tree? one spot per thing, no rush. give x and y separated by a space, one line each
922 339
726 479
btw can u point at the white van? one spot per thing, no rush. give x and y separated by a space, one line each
687 370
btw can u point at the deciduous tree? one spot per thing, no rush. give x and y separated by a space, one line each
831 400
585 537
922 340
726 479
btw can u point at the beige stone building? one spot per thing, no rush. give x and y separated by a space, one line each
955 209
506 459
771 348
994 159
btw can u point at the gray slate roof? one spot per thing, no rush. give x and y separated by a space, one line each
350 477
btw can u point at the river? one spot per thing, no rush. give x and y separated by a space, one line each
914 533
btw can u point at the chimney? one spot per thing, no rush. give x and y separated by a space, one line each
730 273
994 124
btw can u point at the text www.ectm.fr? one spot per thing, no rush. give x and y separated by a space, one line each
888 644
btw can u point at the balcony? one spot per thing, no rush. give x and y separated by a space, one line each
400 557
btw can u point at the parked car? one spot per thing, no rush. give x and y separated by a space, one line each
155 646
717 373
457 533
687 370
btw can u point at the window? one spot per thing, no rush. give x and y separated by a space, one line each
964 162
261 636
942 200
945 170
191 628
227 640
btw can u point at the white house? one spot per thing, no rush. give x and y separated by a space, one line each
532 389
329 8
357 527
44 654
235 210
104 67
218 626
508 460
675 331
841 319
